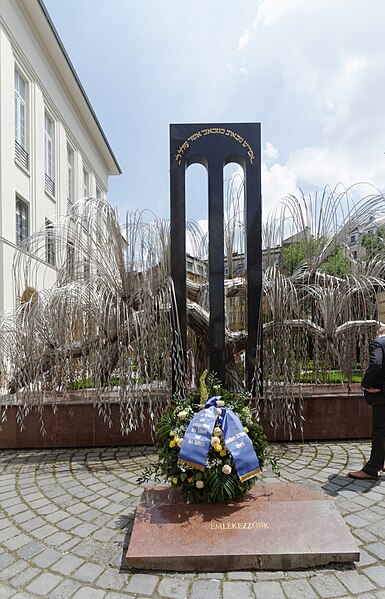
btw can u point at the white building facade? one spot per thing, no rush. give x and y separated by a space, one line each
52 148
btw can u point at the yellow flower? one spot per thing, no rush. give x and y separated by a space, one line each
199 484
218 448
182 414
203 388
246 429
189 480
175 480
215 441
223 453
172 443
172 434
226 469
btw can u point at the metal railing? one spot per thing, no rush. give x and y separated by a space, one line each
49 185
21 155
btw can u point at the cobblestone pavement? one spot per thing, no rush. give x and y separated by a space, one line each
66 515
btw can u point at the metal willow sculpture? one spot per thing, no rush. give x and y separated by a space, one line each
320 302
109 322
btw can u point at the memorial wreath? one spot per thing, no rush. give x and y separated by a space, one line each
210 445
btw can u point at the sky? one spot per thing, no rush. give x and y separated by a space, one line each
312 72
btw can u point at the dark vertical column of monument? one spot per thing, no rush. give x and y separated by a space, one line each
178 235
216 272
214 146
253 203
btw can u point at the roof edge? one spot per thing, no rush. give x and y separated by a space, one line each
75 75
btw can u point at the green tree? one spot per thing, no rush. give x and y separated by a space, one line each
373 244
337 264
293 255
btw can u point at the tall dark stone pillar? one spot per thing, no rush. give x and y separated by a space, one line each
216 272
214 146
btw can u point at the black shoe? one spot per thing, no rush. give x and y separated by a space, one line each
362 475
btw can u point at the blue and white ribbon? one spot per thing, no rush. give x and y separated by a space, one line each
197 440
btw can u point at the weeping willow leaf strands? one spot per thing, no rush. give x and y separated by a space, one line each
110 320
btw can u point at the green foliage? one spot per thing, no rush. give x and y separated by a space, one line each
211 485
87 383
337 264
306 252
292 257
373 244
329 376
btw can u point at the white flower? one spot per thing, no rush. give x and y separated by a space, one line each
199 484
215 441
182 414
217 431
220 403
180 441
226 469
219 411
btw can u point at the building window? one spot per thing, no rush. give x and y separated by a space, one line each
49 137
70 178
21 153
49 243
352 239
22 221
98 193
85 184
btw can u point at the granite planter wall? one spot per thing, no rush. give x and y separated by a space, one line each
329 413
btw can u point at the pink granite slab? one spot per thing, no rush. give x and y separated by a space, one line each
277 526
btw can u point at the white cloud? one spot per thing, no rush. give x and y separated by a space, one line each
244 39
354 65
270 151
323 165
277 182
244 72
272 11
314 76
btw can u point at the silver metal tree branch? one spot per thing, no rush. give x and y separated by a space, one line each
109 320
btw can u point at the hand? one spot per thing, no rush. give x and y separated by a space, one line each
373 390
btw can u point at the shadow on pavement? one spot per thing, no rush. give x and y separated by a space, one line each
338 482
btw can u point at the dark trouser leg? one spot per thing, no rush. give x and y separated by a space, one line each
377 456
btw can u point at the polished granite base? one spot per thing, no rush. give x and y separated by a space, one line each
277 526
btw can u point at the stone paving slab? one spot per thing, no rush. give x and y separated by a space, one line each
66 518
277 526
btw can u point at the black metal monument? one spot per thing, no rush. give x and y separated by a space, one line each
214 146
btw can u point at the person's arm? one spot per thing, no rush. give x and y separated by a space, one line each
374 375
